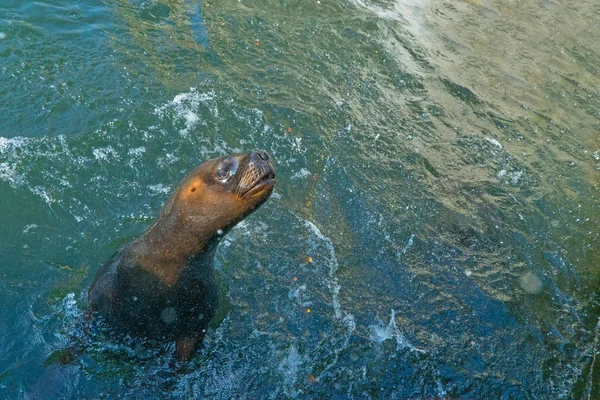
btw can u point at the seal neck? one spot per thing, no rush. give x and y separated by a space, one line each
174 244
181 240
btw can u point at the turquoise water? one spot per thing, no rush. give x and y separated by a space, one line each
438 162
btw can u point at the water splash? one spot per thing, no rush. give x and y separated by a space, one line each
590 379
409 243
344 317
185 108
289 368
381 332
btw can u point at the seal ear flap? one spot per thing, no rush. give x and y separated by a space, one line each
191 189
194 185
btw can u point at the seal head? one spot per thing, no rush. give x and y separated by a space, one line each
163 285
221 192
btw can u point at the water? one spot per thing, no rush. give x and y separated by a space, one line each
433 232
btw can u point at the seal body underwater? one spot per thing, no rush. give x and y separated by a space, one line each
162 285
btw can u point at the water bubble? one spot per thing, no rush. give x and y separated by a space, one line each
29 227
2 35
75 15
168 315
530 283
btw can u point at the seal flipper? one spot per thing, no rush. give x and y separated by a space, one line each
185 347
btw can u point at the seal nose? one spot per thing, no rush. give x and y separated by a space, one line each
263 155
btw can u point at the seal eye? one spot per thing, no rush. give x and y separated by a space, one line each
222 173
227 169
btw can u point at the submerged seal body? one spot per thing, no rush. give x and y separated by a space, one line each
163 285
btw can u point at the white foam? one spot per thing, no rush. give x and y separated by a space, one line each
43 193
300 295
381 332
297 144
303 173
494 142
191 118
136 152
159 188
29 227
102 154
409 243
387 14
186 106
515 177
289 367
512 178
71 318
10 175
590 380
168 159
344 317
12 143
17 152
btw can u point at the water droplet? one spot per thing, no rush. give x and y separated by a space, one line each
530 283
168 315
75 15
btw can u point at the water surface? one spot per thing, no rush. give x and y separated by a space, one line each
433 232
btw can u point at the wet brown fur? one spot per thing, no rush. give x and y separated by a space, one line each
162 285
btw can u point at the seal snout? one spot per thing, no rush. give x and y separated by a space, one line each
259 174
263 164
263 155
261 159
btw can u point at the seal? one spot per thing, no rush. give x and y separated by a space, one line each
162 285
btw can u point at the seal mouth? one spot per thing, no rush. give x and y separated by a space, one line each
265 182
